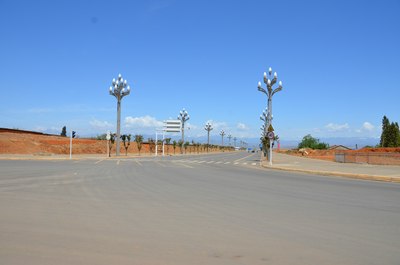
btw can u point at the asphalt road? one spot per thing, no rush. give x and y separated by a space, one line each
216 209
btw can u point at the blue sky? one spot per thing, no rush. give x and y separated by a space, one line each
339 62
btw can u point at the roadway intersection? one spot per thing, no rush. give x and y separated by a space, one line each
194 209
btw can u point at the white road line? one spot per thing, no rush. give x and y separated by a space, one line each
219 162
253 164
181 164
243 158
227 163
245 163
160 164
236 163
118 162
140 164
99 161
209 162
201 162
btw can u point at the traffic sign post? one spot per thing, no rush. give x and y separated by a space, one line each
70 143
270 136
108 137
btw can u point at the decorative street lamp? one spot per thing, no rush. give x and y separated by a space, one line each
229 137
208 127
269 81
119 89
183 116
222 133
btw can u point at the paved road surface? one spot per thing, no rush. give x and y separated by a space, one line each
216 209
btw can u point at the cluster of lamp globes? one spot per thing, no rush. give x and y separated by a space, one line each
208 127
119 87
270 82
183 115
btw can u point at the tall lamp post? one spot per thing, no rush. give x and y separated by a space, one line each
208 127
229 137
119 89
222 133
183 117
270 92
234 141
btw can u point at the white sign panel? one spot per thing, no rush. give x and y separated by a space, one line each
172 126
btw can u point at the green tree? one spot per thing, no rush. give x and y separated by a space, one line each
313 143
126 139
152 145
139 141
180 144
385 132
174 143
185 145
167 141
110 144
101 137
390 136
64 131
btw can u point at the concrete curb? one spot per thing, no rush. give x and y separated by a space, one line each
339 174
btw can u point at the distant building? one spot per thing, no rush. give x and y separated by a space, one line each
339 147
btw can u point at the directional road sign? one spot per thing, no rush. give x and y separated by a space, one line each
172 126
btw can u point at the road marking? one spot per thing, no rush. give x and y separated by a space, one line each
245 163
243 158
210 162
227 163
118 162
181 164
160 164
99 161
140 164
253 164
235 163
201 162
219 162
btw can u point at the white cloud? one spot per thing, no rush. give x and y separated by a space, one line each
368 126
142 122
337 127
218 124
241 127
100 124
191 126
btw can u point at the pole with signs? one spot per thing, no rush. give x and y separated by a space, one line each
108 138
270 136
70 144
156 143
